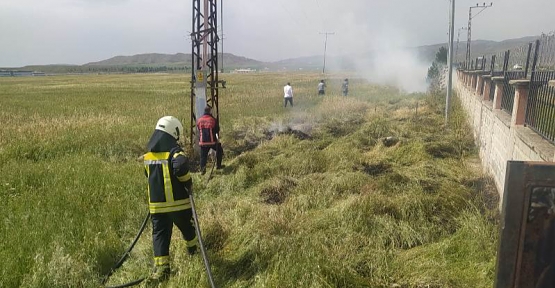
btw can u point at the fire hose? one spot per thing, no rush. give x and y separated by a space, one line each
125 256
202 250
128 251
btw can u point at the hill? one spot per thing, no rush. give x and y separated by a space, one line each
156 59
425 53
180 62
142 59
479 47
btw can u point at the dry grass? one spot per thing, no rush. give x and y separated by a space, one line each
336 209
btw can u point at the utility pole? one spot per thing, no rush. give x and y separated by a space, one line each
325 48
469 41
458 38
205 81
450 61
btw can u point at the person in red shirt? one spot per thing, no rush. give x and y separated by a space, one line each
209 129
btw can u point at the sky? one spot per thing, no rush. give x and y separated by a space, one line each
82 31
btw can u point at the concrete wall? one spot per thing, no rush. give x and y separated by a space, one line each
497 135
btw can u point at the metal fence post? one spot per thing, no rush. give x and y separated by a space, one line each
506 61
528 59
536 55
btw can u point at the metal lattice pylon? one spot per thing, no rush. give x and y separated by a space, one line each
204 60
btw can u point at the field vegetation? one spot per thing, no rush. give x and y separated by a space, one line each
368 190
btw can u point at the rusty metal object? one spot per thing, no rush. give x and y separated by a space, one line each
526 254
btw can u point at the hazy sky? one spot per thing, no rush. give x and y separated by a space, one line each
81 31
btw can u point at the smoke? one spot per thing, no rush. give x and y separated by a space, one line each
394 67
385 57
299 122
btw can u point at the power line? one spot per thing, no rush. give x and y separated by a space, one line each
470 17
458 38
289 14
318 4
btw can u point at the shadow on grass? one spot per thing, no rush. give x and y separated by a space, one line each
245 267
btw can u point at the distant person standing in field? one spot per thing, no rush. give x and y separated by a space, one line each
321 88
169 186
345 87
209 130
288 94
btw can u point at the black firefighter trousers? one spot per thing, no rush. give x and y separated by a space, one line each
162 224
204 155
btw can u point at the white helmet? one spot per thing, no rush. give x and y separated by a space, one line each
170 125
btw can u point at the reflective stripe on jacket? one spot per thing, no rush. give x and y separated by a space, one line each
207 128
167 184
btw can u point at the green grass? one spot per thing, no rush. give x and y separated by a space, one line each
338 210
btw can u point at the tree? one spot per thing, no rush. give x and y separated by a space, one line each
433 72
436 70
441 56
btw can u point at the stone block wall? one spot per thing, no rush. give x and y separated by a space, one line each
499 135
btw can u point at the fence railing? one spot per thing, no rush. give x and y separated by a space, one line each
534 61
508 99
540 110
546 53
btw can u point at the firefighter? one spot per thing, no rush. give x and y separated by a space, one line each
169 185
209 130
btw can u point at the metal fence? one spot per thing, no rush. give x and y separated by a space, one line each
540 110
534 61
498 66
508 99
516 66
546 53
519 58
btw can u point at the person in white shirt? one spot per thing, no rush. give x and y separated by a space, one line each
321 88
345 87
288 94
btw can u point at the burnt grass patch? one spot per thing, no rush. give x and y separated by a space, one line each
375 169
442 150
245 141
276 191
339 128
270 134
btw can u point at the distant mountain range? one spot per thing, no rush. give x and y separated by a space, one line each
155 62
173 60
479 47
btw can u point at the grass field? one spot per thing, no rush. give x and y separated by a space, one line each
339 209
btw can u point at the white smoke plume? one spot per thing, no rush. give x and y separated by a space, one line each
383 57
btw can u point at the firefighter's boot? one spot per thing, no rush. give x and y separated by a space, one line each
161 273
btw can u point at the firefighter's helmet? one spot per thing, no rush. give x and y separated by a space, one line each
170 125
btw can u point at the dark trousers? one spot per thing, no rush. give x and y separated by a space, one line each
321 92
204 155
162 224
288 99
